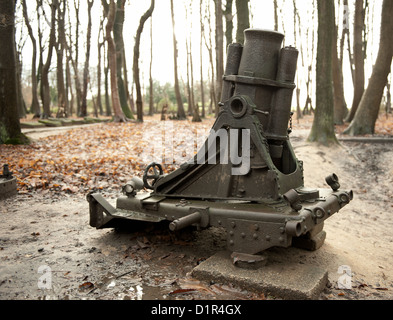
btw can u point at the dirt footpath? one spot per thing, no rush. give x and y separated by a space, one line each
49 251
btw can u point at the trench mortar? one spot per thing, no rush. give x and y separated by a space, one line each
250 183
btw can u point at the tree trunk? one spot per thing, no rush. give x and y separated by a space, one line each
219 52
201 60
83 111
75 63
35 106
367 113
275 6
340 106
323 125
358 56
61 90
112 63
45 69
108 109
228 21
181 115
243 19
151 98
99 68
118 38
10 131
139 101
69 87
388 106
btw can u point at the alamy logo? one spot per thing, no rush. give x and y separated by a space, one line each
45 281
230 146
345 280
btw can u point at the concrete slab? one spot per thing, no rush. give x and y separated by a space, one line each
281 279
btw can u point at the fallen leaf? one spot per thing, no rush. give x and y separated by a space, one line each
86 286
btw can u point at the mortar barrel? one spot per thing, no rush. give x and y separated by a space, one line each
234 56
260 53
282 102
260 61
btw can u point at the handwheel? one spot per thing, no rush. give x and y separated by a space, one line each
147 176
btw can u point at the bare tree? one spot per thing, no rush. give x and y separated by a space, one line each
151 98
100 44
219 51
193 106
181 115
75 61
62 98
121 61
201 58
243 19
110 11
209 47
228 21
10 131
35 106
139 101
340 106
358 56
322 130
46 66
83 111
367 112
275 6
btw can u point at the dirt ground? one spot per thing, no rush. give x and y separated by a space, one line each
47 236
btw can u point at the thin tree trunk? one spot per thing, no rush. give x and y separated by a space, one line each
340 106
243 19
46 66
108 109
112 63
368 110
35 106
388 107
61 90
358 58
219 52
275 6
181 115
228 21
99 68
201 60
83 111
120 63
78 88
69 89
139 101
151 98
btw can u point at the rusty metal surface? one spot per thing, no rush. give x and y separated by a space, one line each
261 201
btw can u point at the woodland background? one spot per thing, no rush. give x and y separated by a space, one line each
62 71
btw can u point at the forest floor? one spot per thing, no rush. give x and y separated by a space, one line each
45 232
